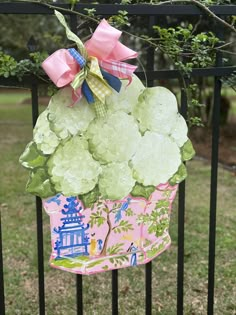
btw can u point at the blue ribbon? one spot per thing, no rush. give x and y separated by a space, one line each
113 81
75 54
87 92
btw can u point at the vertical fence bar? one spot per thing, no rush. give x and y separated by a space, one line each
148 266
79 294
214 176
181 215
2 296
73 23
114 292
39 215
148 288
79 278
213 196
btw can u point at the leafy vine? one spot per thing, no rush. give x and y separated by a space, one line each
184 46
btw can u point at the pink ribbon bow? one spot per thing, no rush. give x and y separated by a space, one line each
105 46
62 68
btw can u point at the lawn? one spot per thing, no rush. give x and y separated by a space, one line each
20 250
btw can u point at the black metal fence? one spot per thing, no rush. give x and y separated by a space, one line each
150 11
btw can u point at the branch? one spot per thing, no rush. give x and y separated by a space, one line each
54 7
196 2
225 45
227 51
204 8
210 13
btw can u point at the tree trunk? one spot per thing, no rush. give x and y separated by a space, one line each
104 249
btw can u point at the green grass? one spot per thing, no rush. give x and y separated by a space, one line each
13 96
20 250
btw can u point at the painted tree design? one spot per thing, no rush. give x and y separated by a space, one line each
102 215
158 221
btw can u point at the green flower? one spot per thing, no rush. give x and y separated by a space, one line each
66 120
116 181
72 168
114 138
156 160
127 98
44 137
156 110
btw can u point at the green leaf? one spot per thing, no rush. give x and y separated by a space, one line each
124 226
115 249
39 184
152 252
106 267
142 191
31 157
179 176
67 263
129 212
106 209
90 198
90 12
187 151
96 219
100 221
94 263
162 204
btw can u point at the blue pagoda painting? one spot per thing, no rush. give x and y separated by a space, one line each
72 238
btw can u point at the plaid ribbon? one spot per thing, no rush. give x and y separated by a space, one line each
100 108
92 75
119 69
79 79
95 80
77 56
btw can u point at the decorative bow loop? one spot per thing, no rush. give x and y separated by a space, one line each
95 69
111 48
111 52
61 67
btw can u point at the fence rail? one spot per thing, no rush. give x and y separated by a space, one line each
217 72
151 75
108 9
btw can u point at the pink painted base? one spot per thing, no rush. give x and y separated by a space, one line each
112 235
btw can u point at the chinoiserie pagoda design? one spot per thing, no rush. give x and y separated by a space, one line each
72 238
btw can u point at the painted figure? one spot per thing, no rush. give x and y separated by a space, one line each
133 259
55 199
93 247
124 207
100 242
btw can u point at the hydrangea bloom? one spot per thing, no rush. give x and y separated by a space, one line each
114 138
116 181
44 137
66 120
137 146
179 131
127 98
156 110
72 168
156 160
